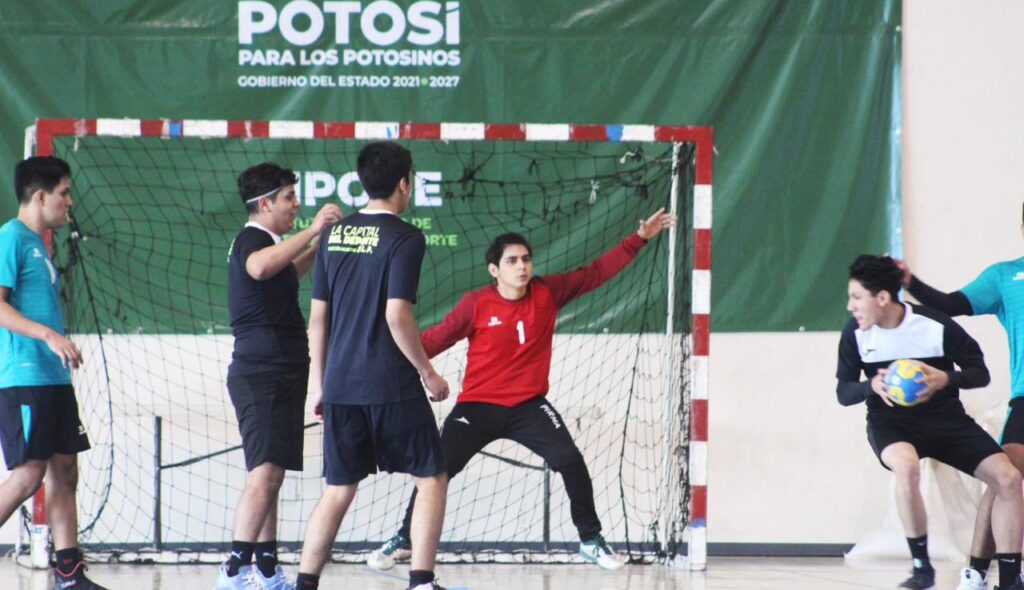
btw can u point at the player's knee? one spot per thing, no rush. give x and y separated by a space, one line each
338 495
27 489
64 474
1008 481
266 476
908 473
570 461
26 483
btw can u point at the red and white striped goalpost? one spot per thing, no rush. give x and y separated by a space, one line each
39 141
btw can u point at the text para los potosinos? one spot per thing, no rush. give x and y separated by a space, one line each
350 57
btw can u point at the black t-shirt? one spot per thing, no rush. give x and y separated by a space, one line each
265 318
361 263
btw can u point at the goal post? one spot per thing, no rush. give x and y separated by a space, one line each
143 283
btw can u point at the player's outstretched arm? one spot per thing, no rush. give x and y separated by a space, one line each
60 345
265 263
569 286
318 318
406 334
951 304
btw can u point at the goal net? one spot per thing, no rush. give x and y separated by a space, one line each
144 279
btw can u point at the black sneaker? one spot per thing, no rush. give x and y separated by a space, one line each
75 580
1018 584
920 579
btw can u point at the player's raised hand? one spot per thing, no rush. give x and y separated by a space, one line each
653 225
879 386
436 385
70 355
327 215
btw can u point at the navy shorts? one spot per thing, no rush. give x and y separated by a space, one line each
269 406
399 437
38 422
950 436
1013 430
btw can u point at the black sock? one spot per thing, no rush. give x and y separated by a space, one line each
241 554
980 565
1009 568
307 582
266 558
67 560
919 551
417 577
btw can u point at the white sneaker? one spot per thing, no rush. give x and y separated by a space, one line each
276 582
242 581
970 579
397 548
597 551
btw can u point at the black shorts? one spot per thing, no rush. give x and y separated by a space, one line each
38 422
535 424
399 437
1013 430
949 436
269 406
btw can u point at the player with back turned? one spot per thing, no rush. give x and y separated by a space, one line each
367 364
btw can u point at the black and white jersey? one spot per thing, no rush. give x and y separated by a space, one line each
925 335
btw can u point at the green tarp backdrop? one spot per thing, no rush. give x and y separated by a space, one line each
803 98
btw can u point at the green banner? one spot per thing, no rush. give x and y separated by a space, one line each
802 97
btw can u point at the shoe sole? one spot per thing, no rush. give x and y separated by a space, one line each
374 565
596 562
379 567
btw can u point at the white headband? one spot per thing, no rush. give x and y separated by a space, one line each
266 194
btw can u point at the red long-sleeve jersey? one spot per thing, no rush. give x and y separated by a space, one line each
509 357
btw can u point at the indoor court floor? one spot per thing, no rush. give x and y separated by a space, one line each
722 574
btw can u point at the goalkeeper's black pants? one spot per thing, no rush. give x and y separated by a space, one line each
536 425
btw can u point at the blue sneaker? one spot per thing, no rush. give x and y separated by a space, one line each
243 581
278 581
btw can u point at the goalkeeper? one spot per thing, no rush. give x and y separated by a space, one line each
510 326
